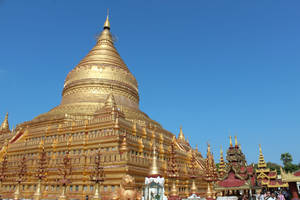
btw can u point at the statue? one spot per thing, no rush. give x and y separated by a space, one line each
127 190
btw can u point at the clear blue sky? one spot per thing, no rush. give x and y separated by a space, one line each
216 67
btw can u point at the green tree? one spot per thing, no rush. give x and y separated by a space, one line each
287 162
286 158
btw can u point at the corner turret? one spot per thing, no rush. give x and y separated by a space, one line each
5 126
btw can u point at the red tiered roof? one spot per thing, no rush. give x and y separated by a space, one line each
231 181
273 173
297 173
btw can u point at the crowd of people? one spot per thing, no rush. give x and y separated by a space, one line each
268 195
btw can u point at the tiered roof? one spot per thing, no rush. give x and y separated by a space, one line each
235 174
265 176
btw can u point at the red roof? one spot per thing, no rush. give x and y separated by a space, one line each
250 169
276 182
231 181
297 173
272 174
253 181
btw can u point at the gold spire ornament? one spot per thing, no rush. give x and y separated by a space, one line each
154 169
230 141
181 135
222 163
123 146
107 23
261 162
235 141
5 125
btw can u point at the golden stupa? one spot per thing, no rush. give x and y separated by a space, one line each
55 155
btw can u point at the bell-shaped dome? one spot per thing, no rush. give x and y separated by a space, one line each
100 73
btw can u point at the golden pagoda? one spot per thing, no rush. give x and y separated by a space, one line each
266 177
99 106
222 164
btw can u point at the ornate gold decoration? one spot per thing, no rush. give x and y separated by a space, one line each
154 169
235 141
98 174
181 135
5 126
261 162
222 164
211 173
41 171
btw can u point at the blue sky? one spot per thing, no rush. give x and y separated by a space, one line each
217 68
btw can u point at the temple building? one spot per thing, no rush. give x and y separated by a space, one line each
96 136
266 177
235 176
292 179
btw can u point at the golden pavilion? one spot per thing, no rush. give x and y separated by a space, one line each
96 136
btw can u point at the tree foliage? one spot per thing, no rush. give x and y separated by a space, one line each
287 160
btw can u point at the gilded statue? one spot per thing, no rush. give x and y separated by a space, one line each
127 190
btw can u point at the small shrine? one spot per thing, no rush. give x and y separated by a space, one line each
154 182
266 177
235 177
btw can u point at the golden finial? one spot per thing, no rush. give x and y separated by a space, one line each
221 150
197 147
69 141
107 23
181 135
5 125
59 127
123 146
260 151
208 148
54 143
235 142
86 122
154 170
230 141
110 101
47 129
41 144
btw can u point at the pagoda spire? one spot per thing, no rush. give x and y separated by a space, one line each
230 141
261 162
107 23
110 101
181 135
222 163
5 125
154 169
235 142
208 149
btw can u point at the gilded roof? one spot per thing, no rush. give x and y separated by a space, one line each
100 73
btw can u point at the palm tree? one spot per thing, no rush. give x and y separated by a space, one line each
286 158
